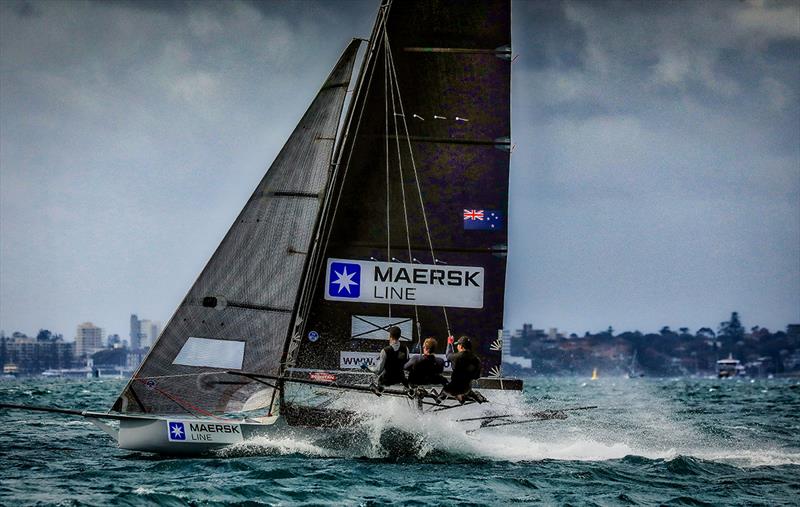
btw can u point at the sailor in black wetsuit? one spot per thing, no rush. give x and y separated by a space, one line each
390 365
466 368
425 368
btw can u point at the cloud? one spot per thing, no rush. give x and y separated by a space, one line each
131 133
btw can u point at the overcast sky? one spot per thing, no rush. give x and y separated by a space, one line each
655 179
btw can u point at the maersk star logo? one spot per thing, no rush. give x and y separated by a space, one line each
344 280
177 431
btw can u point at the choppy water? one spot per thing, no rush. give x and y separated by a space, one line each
674 442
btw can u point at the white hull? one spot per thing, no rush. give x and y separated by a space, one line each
201 435
152 434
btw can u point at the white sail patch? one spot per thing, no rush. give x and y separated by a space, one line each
212 353
404 284
368 327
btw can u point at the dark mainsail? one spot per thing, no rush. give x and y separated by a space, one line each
414 229
237 314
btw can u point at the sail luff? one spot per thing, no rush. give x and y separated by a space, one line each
339 170
237 312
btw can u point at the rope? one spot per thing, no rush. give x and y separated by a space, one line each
181 402
392 84
386 84
416 175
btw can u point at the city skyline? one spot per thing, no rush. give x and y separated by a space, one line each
655 178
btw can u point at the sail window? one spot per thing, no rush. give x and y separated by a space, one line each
211 353
367 327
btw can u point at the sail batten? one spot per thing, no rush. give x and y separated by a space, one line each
239 310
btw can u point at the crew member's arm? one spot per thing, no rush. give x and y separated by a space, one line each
381 364
411 362
449 351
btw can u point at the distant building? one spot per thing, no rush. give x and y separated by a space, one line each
136 333
26 355
135 358
149 332
525 339
143 332
508 358
88 339
115 342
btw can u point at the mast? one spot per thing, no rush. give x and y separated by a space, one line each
322 225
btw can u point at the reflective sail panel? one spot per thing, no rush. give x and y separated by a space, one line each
432 139
237 314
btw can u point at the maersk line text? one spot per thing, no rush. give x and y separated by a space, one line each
395 294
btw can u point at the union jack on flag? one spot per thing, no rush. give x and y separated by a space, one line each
483 220
473 214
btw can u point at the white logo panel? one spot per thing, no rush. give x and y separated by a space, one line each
204 432
404 284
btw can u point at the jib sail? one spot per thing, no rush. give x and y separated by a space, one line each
237 314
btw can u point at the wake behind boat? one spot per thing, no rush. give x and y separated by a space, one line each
392 216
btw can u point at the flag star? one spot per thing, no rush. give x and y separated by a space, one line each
344 280
177 431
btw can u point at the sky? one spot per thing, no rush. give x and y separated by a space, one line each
655 178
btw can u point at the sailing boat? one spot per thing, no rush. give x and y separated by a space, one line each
401 222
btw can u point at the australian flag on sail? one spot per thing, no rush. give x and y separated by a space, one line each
483 220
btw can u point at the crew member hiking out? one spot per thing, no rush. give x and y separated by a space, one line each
466 368
426 368
390 365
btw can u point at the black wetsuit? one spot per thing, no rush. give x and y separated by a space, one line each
466 368
425 369
393 368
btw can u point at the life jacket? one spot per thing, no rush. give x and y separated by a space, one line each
395 360
466 368
425 370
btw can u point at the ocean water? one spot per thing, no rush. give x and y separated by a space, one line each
649 442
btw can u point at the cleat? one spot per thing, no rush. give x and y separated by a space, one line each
421 393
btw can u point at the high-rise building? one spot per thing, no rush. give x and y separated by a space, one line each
136 333
149 332
143 332
88 339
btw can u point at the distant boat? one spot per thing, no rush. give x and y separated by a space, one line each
730 367
633 370
594 374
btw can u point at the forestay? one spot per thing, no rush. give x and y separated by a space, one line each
237 314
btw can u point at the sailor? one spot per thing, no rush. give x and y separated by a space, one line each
390 365
425 368
466 368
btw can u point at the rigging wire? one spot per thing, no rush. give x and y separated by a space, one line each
327 225
386 152
392 84
414 166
